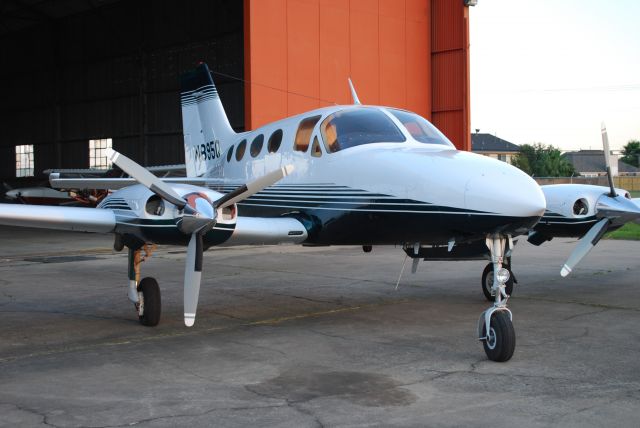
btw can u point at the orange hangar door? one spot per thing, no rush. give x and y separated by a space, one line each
299 54
450 67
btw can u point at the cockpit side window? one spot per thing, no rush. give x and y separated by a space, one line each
316 151
303 135
357 126
420 128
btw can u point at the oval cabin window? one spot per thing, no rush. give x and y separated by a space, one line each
274 141
256 146
242 146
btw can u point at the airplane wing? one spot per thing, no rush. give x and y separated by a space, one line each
118 183
62 218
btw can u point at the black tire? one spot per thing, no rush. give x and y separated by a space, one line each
500 343
152 303
487 282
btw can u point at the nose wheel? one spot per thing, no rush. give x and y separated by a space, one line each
487 283
495 326
500 341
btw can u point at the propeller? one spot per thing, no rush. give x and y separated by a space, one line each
198 217
607 160
585 244
611 209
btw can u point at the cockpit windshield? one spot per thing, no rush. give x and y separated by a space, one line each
420 128
356 126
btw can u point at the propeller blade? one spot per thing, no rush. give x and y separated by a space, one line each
192 277
243 192
586 243
146 178
607 160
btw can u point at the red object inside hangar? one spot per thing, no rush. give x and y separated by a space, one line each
412 54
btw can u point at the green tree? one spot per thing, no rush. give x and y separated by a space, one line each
631 153
542 161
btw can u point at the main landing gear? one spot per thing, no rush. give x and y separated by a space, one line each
495 327
145 293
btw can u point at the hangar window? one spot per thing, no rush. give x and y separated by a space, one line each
274 141
98 153
303 135
24 160
256 146
242 146
420 128
357 126
315 148
229 154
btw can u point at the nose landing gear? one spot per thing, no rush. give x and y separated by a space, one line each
495 327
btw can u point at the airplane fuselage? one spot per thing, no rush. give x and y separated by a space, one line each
377 192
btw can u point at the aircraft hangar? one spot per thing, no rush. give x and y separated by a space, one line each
78 74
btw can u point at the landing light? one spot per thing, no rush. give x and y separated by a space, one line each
503 275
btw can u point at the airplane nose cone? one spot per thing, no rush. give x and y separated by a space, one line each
505 190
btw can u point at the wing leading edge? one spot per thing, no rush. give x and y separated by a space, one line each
61 218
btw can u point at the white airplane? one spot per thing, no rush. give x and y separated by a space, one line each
346 175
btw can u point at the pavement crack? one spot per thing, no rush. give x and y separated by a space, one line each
584 314
309 299
45 418
333 336
190 415
222 314
296 405
252 345
576 302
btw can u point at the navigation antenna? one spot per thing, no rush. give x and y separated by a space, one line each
356 100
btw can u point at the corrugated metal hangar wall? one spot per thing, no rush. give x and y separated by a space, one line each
75 70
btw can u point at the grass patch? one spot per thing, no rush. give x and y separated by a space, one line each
628 231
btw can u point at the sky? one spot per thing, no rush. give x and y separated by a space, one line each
545 71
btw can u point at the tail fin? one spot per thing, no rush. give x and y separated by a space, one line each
205 124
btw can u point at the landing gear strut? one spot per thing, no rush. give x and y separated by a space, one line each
495 327
144 294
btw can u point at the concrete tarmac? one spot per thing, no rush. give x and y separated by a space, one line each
313 337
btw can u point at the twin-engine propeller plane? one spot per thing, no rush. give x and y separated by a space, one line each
362 175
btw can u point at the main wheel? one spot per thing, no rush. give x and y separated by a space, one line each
500 342
487 282
151 299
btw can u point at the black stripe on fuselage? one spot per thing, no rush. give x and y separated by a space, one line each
340 215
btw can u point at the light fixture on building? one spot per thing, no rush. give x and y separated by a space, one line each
470 2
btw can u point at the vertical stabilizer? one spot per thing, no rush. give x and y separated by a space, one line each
205 125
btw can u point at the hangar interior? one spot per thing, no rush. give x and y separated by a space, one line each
76 70
81 70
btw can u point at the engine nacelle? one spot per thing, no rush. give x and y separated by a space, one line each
576 200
